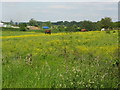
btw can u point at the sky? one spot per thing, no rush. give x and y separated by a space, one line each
58 11
60 0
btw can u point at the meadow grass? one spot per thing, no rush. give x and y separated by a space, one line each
61 60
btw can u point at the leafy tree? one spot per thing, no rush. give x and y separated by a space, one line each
116 25
60 28
39 23
22 26
73 23
87 25
11 22
106 22
66 23
48 23
32 22
71 28
59 22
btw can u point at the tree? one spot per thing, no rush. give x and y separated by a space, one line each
72 28
98 25
32 22
73 23
48 23
66 23
22 26
106 22
60 28
60 22
116 25
11 22
87 25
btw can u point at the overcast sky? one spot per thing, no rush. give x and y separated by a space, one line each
57 11
59 0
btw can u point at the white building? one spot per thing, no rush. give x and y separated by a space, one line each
1 24
7 25
15 27
4 25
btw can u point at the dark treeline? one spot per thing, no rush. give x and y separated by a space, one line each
72 26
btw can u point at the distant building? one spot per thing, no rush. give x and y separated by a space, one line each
8 25
4 25
33 28
1 24
15 27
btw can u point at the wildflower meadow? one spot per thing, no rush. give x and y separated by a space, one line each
60 60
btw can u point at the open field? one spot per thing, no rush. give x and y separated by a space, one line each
60 60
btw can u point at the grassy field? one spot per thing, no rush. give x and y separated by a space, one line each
60 60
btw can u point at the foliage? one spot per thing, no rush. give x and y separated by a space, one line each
72 26
32 22
108 32
22 26
11 22
48 23
106 22
10 29
87 25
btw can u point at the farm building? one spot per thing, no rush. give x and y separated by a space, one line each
1 24
5 25
15 27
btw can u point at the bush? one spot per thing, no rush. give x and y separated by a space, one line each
9 29
108 32
23 27
113 31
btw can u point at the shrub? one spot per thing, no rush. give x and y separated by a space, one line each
108 32
113 31
23 27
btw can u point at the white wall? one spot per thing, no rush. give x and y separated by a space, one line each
1 24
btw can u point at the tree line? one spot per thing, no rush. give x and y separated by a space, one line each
72 26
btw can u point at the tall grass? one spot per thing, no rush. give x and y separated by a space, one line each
72 60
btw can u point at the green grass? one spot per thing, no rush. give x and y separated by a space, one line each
73 60
14 32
